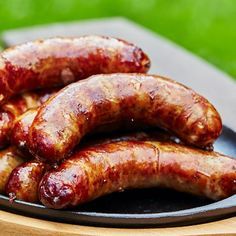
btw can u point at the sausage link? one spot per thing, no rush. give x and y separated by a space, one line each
24 180
15 107
103 169
59 61
20 131
9 160
127 99
20 134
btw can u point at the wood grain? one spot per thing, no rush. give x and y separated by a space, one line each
12 224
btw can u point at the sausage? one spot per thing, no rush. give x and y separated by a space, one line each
9 160
59 61
103 169
15 107
20 131
24 179
124 99
20 134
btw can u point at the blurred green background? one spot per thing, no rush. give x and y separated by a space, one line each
205 27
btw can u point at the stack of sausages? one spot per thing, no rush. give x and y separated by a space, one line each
58 94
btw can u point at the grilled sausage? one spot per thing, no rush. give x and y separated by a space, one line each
15 107
20 131
20 134
59 61
9 160
23 181
103 169
121 99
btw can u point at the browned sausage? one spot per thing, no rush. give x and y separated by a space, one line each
20 130
15 107
101 100
107 168
9 160
20 134
23 181
59 61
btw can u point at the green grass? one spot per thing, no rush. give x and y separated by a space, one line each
205 27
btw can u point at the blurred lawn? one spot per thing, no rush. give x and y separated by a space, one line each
205 27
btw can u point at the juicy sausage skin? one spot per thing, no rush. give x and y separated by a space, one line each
20 134
24 180
114 99
107 168
17 106
20 131
59 61
9 160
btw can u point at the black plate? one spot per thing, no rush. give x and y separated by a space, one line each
139 208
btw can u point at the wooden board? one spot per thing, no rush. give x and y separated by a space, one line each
12 224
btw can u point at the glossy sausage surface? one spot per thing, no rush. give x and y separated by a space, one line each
9 160
97 171
59 61
20 131
20 134
126 100
10 111
24 180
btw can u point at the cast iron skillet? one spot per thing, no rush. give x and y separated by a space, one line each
140 208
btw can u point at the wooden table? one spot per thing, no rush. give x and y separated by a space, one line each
167 59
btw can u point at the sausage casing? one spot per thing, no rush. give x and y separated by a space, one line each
9 160
24 179
20 134
103 169
10 111
20 131
126 99
59 61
